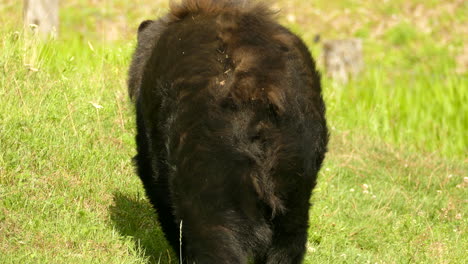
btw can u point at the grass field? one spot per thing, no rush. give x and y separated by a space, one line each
393 188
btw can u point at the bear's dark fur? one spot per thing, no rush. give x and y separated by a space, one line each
231 131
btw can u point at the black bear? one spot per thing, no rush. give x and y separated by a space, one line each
231 131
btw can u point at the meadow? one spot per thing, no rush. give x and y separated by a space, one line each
393 188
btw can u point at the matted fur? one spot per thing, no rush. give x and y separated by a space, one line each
179 10
231 130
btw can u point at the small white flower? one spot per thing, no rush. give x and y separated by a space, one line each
291 18
97 106
351 190
312 249
90 46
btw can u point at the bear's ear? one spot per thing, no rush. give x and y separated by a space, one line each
144 25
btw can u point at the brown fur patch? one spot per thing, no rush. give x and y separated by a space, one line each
180 9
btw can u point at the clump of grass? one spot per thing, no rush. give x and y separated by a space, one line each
420 110
409 95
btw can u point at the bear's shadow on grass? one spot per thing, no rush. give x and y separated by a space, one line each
133 217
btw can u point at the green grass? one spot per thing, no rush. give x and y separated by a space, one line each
392 190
